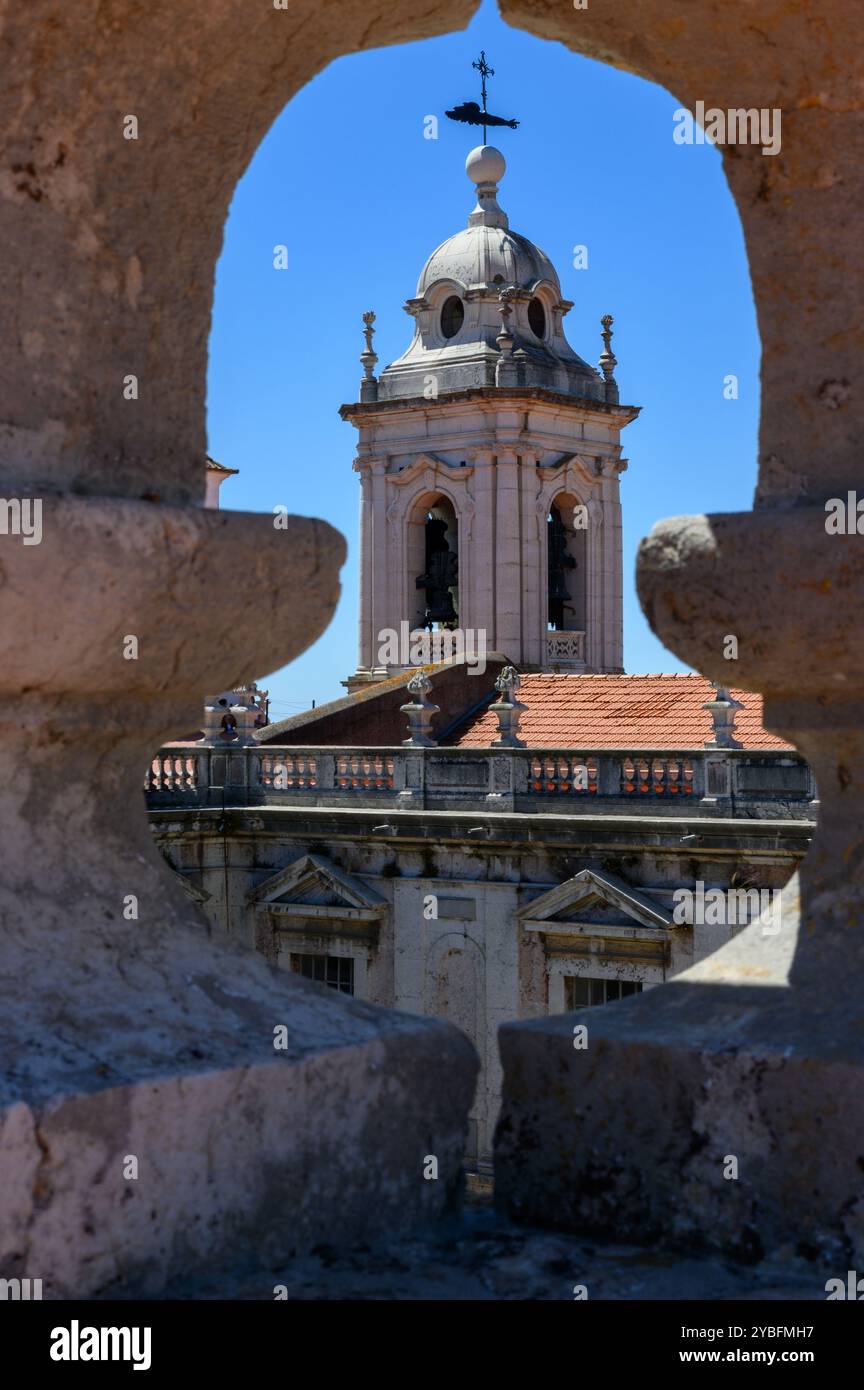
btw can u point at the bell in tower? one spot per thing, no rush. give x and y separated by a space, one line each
440 575
560 561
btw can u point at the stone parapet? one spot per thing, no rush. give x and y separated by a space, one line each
690 782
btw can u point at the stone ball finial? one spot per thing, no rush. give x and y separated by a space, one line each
485 164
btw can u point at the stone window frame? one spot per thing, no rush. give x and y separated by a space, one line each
295 941
634 987
436 297
559 967
327 956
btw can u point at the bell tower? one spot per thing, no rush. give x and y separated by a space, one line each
489 458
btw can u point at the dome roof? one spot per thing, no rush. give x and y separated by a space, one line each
482 255
488 310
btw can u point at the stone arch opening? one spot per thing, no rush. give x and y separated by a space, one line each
566 564
95 265
433 562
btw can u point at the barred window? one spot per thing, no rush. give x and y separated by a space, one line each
581 992
335 971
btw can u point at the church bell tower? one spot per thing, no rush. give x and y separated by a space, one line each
490 461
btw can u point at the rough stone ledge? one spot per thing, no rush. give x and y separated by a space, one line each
244 1154
628 1138
148 567
484 1257
791 587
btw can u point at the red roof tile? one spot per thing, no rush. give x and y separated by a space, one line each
626 712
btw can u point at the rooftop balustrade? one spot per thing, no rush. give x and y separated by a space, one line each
718 781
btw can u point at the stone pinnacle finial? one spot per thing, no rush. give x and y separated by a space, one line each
608 360
508 709
369 384
508 681
722 710
420 711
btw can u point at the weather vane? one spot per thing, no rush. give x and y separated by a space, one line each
470 112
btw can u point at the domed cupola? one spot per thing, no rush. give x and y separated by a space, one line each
488 311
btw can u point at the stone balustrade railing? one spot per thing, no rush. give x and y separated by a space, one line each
565 649
723 782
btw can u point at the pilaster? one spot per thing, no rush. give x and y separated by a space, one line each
381 587
480 605
533 580
508 569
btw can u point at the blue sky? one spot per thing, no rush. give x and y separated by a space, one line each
346 180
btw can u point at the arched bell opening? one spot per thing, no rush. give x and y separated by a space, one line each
433 563
566 565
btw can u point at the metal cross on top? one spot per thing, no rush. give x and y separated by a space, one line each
485 71
470 112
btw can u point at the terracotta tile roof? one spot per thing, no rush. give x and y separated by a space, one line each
627 712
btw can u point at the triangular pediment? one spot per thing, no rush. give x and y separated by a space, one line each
593 898
313 881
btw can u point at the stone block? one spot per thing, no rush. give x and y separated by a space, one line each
630 1137
246 1155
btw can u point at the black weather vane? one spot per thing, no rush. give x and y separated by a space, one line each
470 112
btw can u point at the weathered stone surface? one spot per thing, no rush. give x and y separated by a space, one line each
629 1137
630 1134
111 243
126 1031
485 1257
245 1154
729 559
138 1034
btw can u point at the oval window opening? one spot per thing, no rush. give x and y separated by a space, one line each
452 316
537 318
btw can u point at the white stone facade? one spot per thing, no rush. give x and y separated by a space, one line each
501 461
